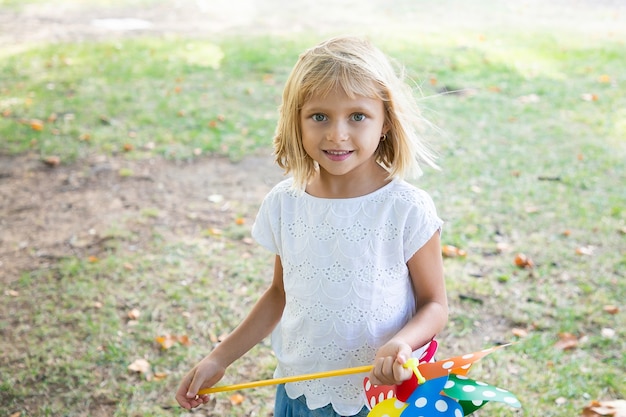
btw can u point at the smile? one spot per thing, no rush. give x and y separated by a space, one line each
338 156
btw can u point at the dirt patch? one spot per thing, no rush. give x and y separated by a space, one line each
47 214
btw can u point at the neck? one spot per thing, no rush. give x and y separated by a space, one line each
325 185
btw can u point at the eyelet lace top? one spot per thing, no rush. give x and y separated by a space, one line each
347 286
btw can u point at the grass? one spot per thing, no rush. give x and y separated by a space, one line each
173 97
532 148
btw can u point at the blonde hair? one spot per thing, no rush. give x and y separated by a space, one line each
359 69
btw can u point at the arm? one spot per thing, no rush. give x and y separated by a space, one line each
257 325
426 270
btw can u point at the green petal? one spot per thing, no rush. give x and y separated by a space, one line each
465 389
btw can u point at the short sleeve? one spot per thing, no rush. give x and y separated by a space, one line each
421 222
266 227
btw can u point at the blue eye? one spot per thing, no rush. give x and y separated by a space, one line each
358 117
318 117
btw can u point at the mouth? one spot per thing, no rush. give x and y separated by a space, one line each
334 155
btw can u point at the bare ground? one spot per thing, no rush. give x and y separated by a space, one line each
47 214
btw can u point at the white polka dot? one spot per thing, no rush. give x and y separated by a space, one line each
461 377
482 384
441 406
449 384
468 356
381 397
391 394
477 402
501 390
458 413
398 404
372 402
469 388
421 402
368 385
489 394
510 400
448 365
469 365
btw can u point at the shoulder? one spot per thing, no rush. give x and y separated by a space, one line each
404 193
282 191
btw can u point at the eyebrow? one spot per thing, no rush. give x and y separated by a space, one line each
322 108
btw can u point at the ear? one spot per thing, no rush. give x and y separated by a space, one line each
386 128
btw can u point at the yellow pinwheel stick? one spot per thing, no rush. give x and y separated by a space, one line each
285 380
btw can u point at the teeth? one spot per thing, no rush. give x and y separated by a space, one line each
338 152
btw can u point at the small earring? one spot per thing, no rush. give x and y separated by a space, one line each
383 137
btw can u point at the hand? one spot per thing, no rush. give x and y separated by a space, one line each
204 375
388 365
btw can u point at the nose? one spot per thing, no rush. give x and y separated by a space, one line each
337 132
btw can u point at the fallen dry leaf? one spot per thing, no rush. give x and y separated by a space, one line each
523 261
166 341
615 408
236 399
567 341
36 125
159 376
141 366
521 333
450 251
134 314
169 340
584 250
184 340
611 309
52 161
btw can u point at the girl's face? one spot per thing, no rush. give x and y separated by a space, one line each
342 134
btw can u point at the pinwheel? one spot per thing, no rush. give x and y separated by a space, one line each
438 388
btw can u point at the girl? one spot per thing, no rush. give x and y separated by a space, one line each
358 275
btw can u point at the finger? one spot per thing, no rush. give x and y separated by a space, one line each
181 394
376 372
404 353
383 371
401 373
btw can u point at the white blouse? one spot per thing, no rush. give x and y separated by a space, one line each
347 285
